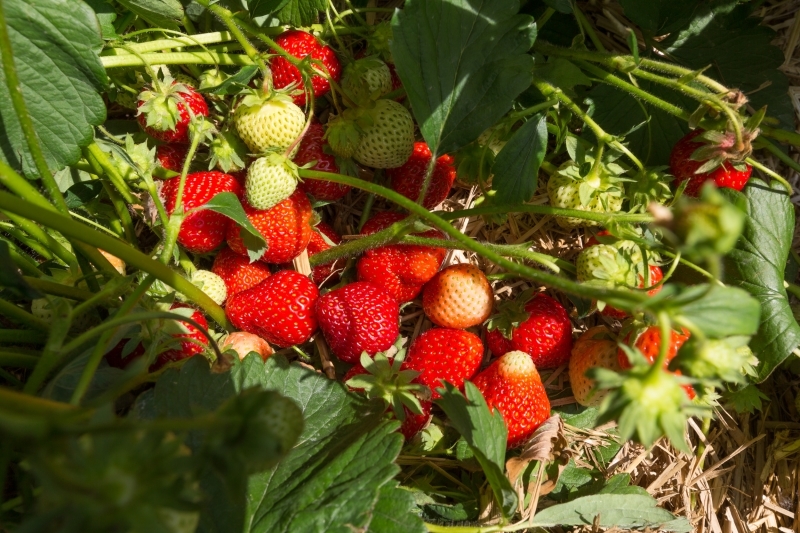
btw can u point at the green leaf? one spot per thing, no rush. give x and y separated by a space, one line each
394 512
562 73
722 311
462 63
757 265
562 6
105 16
486 435
516 168
82 193
291 12
62 39
159 13
259 8
228 204
659 17
11 279
235 83
621 510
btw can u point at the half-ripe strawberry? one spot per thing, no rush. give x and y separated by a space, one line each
171 156
300 44
595 348
724 174
389 140
201 231
286 228
458 297
166 109
320 238
270 179
312 149
238 273
656 275
409 178
280 309
512 385
402 269
268 122
648 342
188 347
243 343
359 317
539 327
444 354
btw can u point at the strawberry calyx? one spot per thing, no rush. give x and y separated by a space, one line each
510 314
227 152
379 41
603 180
141 155
385 380
345 131
648 186
720 147
729 359
159 104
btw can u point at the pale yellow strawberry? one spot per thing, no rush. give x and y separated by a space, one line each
389 140
268 123
270 180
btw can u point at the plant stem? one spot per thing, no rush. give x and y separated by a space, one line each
228 19
176 58
355 247
20 316
761 142
769 172
585 25
22 261
788 137
17 360
103 166
25 122
165 44
58 289
603 218
21 336
45 240
173 228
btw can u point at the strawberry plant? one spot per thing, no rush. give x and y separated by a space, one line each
262 265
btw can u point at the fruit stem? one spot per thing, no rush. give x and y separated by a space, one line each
771 173
365 213
102 166
166 44
43 238
20 336
355 247
428 176
585 25
603 218
25 122
232 23
20 316
175 58
176 219
761 142
58 289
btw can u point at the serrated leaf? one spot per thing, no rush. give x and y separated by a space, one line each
516 168
159 13
228 204
62 39
11 279
486 434
395 512
659 17
621 510
259 8
722 311
757 265
462 64
105 16
292 12
235 83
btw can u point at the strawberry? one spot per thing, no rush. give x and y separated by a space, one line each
538 326
656 275
187 348
165 110
201 231
211 284
697 160
444 354
458 297
389 139
318 243
243 343
286 228
595 348
359 317
115 358
238 273
300 44
312 149
268 122
367 77
610 264
599 191
414 423
171 156
409 178
402 269
270 179
648 342
512 385
280 309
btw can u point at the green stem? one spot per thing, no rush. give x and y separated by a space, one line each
532 110
541 21
788 137
584 24
25 122
21 336
45 240
622 299
602 218
173 228
13 232
58 289
761 142
123 215
228 19
123 23
17 360
104 167
176 58
793 289
20 316
166 44
118 248
368 242
27 265
771 173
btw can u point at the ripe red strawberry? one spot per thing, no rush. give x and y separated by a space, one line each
409 178
301 44
318 244
311 149
656 275
158 107
202 231
648 343
359 317
444 354
286 227
595 348
280 309
171 156
512 385
683 167
402 269
187 348
458 297
540 328
238 273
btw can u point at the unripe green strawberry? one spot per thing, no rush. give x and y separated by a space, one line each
209 283
607 263
270 180
185 79
389 140
268 122
368 77
343 135
599 191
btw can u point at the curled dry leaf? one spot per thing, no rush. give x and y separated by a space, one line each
547 444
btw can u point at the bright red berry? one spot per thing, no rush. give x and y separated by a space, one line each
158 117
359 317
684 168
458 297
201 231
171 156
188 347
648 343
238 273
546 333
409 178
512 385
301 44
280 309
444 354
402 269
311 149
286 227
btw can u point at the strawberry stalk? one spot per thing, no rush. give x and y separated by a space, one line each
20 316
226 17
157 45
176 58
